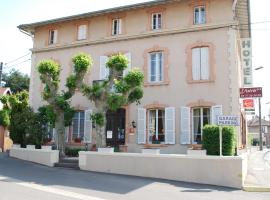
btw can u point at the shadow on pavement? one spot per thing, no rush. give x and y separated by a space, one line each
120 184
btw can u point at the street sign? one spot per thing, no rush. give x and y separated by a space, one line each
228 120
248 103
251 92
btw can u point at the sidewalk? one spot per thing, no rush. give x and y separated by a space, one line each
258 177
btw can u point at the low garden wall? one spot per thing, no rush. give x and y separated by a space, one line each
42 156
227 171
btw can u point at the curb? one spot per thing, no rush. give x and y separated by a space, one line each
254 188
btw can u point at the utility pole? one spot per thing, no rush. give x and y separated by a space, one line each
1 71
260 125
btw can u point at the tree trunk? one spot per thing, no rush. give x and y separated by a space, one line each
101 134
60 132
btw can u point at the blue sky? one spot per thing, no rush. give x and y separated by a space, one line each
14 44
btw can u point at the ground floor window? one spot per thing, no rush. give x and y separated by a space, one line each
201 117
78 126
156 126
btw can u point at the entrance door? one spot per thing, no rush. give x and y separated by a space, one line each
115 128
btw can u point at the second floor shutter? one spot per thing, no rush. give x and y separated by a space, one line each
205 63
196 59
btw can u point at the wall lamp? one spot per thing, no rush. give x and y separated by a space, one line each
133 124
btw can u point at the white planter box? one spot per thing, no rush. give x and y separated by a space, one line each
16 146
30 147
151 151
106 150
196 152
46 147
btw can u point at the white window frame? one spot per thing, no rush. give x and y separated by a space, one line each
53 34
156 128
201 118
79 125
156 24
202 16
82 32
118 29
201 61
157 67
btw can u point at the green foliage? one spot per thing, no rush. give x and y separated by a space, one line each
68 115
16 81
94 92
82 62
98 119
4 118
73 152
61 102
47 114
71 82
121 86
134 78
135 95
49 68
116 101
118 62
211 140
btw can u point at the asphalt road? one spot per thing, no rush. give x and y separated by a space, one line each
24 180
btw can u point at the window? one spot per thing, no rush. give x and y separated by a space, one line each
199 15
156 67
78 125
53 36
156 126
82 32
156 21
200 117
116 26
200 63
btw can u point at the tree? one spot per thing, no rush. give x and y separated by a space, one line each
113 93
25 126
59 101
16 81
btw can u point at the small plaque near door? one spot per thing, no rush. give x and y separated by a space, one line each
109 134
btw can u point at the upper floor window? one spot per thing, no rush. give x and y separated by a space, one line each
53 36
156 21
116 26
82 32
156 67
200 63
199 15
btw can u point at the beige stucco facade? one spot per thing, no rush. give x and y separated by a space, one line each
176 38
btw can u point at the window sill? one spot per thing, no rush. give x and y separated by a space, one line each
200 81
195 146
150 146
149 84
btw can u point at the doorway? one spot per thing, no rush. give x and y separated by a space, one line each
115 128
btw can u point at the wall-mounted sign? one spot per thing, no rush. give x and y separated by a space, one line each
246 55
250 111
228 120
109 134
250 92
248 103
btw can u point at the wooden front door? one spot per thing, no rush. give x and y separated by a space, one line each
115 128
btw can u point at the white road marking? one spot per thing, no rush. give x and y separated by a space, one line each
51 190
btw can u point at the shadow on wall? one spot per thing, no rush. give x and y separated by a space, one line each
118 184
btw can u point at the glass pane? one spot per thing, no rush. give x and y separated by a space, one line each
197 125
159 21
154 21
160 73
206 116
153 67
202 21
161 125
196 16
152 125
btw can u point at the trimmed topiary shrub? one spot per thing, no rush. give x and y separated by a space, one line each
73 152
211 140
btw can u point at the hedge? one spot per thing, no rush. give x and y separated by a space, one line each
211 140
73 152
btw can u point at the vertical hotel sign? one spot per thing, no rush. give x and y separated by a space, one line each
246 55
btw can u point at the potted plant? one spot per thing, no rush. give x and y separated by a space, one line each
78 140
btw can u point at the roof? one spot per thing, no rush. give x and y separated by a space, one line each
29 28
4 91
255 122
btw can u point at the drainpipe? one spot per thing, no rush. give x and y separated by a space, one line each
234 8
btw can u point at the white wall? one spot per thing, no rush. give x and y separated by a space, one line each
41 156
222 171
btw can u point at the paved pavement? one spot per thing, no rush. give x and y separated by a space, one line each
24 180
258 168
